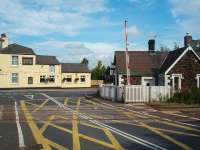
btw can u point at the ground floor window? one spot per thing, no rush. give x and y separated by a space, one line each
42 79
68 78
82 79
198 80
15 78
52 79
176 81
30 80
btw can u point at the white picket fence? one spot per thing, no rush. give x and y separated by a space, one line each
135 93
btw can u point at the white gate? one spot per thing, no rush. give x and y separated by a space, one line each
135 93
138 93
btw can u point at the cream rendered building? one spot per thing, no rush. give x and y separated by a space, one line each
20 67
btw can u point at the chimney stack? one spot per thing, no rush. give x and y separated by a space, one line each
187 40
3 40
151 45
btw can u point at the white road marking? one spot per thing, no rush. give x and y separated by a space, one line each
1 112
115 130
29 96
19 129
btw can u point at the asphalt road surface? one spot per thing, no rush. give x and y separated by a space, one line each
75 119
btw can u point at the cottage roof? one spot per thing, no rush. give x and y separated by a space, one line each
46 60
141 62
74 68
171 58
17 49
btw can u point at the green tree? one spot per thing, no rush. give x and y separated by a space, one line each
85 61
99 71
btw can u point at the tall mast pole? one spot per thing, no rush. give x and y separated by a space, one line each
127 55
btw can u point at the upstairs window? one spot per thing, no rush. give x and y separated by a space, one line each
27 61
15 60
15 78
52 68
82 79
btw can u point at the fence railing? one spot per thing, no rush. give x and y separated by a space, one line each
135 93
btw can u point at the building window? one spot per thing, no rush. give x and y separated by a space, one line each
82 79
176 81
15 60
15 78
30 80
69 78
52 79
198 80
52 68
42 79
27 61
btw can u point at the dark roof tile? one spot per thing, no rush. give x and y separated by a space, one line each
171 58
17 49
141 62
74 68
46 60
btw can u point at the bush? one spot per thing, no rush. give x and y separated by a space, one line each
191 96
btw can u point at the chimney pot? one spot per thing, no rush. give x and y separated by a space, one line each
151 44
187 40
3 40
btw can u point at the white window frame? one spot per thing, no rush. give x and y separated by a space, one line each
15 61
180 77
198 79
16 76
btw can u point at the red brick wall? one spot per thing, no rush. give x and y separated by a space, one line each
188 66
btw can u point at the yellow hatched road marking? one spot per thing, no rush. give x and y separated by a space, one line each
35 131
113 140
66 101
83 136
36 105
178 125
61 117
177 132
180 144
96 141
45 126
55 145
153 116
40 106
90 125
78 104
76 141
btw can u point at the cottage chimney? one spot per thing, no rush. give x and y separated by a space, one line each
3 40
151 45
187 40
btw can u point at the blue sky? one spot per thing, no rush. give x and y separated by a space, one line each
73 29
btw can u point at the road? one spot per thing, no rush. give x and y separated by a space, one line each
76 119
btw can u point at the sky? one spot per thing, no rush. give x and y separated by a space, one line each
74 29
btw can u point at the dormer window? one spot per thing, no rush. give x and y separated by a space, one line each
15 61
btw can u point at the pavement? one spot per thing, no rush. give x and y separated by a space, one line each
76 119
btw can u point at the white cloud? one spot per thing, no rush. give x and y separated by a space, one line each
74 51
187 14
133 30
43 17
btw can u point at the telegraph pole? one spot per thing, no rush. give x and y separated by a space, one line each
126 53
